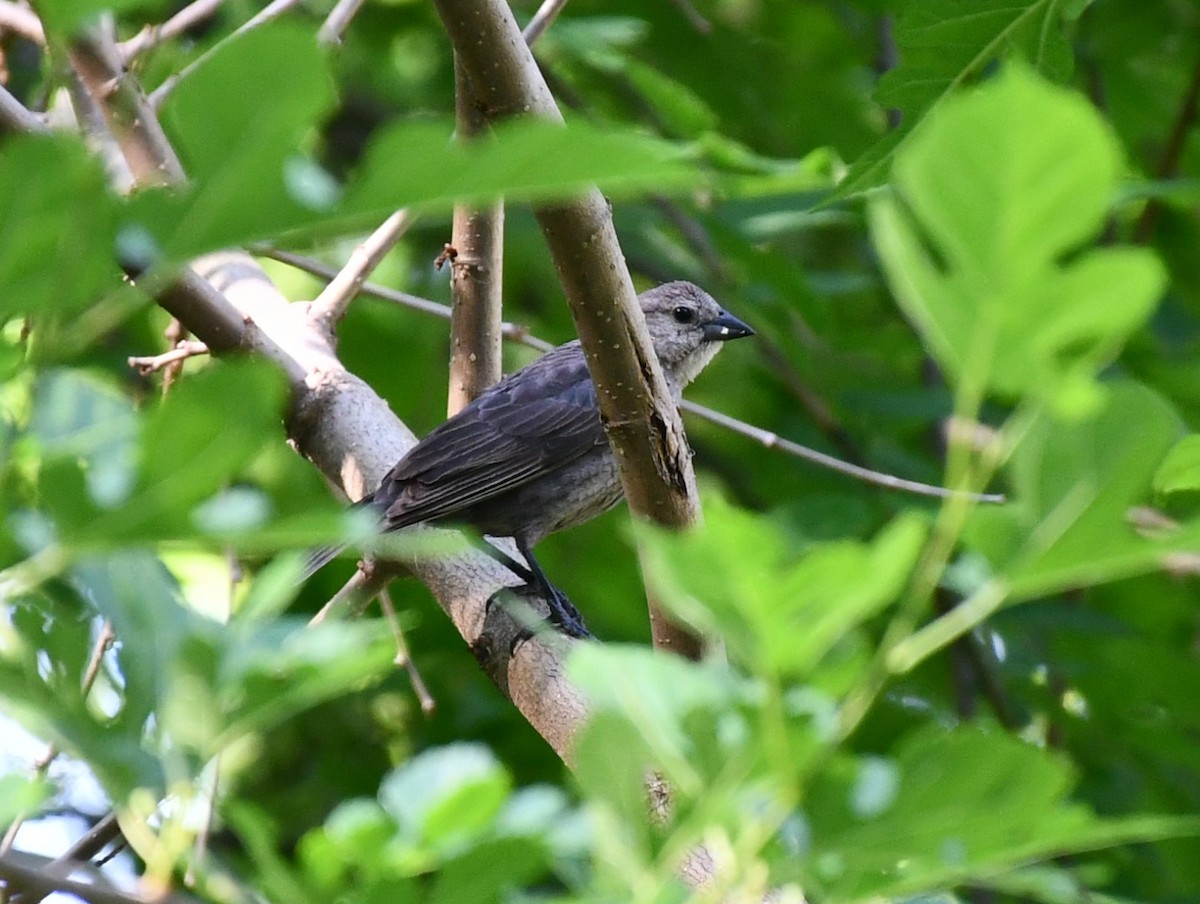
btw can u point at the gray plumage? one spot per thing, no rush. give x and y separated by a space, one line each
529 456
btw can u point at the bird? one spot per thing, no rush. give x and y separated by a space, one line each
529 456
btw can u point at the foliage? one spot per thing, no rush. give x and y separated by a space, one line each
983 274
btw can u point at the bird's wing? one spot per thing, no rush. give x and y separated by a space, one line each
526 426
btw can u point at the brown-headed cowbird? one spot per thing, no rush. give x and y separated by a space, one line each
529 455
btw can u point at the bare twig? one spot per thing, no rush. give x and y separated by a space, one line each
774 441
403 658
1172 154
695 19
338 21
542 20
17 117
329 307
39 876
153 35
364 585
22 21
104 640
152 363
268 13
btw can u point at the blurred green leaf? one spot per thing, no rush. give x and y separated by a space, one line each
443 797
269 671
529 159
655 693
57 210
21 796
69 17
779 613
1180 470
243 161
192 445
1003 183
683 113
944 45
1073 485
77 416
967 802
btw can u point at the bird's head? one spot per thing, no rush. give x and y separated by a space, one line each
687 328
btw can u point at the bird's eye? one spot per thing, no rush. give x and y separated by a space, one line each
684 314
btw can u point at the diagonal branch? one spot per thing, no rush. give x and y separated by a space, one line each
341 425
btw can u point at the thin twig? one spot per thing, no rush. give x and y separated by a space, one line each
695 19
774 441
338 21
153 35
542 19
330 306
40 877
364 585
149 364
17 116
1172 154
104 640
403 658
517 333
271 11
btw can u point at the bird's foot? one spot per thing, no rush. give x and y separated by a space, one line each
563 617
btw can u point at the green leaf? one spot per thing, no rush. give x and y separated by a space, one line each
69 17
529 160
655 693
1180 470
1073 484
944 45
249 180
192 447
779 613
490 871
237 127
682 111
57 210
268 671
78 416
21 796
445 796
1003 184
967 803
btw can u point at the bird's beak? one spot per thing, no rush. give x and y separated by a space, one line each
725 327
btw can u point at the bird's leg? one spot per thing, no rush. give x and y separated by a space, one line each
563 614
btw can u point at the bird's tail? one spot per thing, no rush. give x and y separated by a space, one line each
321 556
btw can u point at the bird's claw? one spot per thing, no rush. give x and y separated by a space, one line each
563 616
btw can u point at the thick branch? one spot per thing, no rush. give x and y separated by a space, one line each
15 116
642 421
130 117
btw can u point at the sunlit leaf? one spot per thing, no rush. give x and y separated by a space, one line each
1003 184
